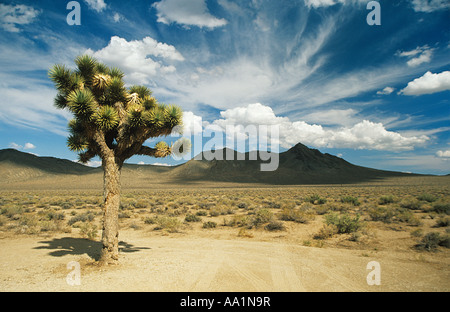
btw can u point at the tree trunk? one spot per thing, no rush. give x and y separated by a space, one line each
111 188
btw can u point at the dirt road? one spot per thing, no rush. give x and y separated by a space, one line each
184 263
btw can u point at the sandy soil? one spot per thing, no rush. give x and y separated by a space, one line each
155 262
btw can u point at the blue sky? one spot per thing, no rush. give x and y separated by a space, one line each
376 95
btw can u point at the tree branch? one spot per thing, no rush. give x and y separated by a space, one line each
154 152
147 151
104 150
88 155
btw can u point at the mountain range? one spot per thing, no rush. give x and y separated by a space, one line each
298 165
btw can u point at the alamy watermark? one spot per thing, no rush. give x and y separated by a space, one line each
258 138
374 16
73 278
74 16
374 276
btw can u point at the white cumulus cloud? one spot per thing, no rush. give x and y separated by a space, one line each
187 12
443 154
427 84
29 146
135 58
192 124
361 135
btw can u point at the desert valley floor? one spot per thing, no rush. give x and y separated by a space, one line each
229 237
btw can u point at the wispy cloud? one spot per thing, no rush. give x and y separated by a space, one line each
327 3
30 106
11 16
408 162
386 91
417 56
97 5
430 5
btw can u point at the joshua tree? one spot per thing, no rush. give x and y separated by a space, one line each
112 122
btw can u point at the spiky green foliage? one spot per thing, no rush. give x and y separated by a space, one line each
82 103
77 143
107 115
106 118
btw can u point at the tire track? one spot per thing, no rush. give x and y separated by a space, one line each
210 267
284 276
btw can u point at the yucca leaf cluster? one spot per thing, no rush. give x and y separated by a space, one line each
107 114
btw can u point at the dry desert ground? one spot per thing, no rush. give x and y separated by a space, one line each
231 238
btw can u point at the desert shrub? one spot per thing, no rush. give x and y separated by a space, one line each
326 231
441 208
295 215
417 233
140 204
209 225
323 209
427 197
87 216
404 215
171 224
88 230
275 226
206 206
28 224
3 220
134 226
242 205
411 204
201 213
383 214
387 199
344 223
445 241
150 220
192 218
238 221
261 216
442 222
214 213
124 215
66 205
54 226
355 236
432 240
11 211
244 233
271 204
221 210
29 221
350 200
52 215
316 199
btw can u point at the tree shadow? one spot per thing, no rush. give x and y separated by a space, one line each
79 246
